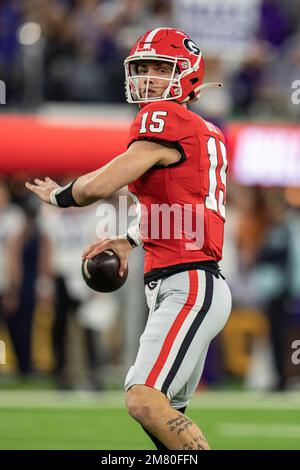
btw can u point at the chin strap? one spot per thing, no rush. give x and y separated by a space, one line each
209 84
201 87
206 85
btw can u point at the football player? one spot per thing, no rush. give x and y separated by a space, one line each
175 160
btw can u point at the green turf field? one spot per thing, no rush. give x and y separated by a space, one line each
230 420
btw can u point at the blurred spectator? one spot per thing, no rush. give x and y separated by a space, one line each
70 231
10 17
59 52
27 276
252 223
271 277
280 72
247 81
12 222
274 22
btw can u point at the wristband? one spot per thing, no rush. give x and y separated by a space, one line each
133 236
63 197
131 241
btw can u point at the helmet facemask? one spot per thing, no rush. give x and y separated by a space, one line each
173 88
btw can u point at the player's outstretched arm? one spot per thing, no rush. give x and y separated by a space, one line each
100 184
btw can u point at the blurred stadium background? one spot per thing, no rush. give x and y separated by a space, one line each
64 351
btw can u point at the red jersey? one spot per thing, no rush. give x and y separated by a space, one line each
183 205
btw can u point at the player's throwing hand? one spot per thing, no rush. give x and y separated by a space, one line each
43 189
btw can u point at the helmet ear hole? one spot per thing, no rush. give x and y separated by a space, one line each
194 80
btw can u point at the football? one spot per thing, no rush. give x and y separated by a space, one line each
101 273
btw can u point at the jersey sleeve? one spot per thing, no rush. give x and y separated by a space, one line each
158 122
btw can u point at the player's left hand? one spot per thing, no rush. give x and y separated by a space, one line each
118 244
42 188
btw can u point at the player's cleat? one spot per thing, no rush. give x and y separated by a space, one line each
101 273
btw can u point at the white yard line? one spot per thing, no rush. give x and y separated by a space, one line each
50 399
247 400
115 399
265 431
